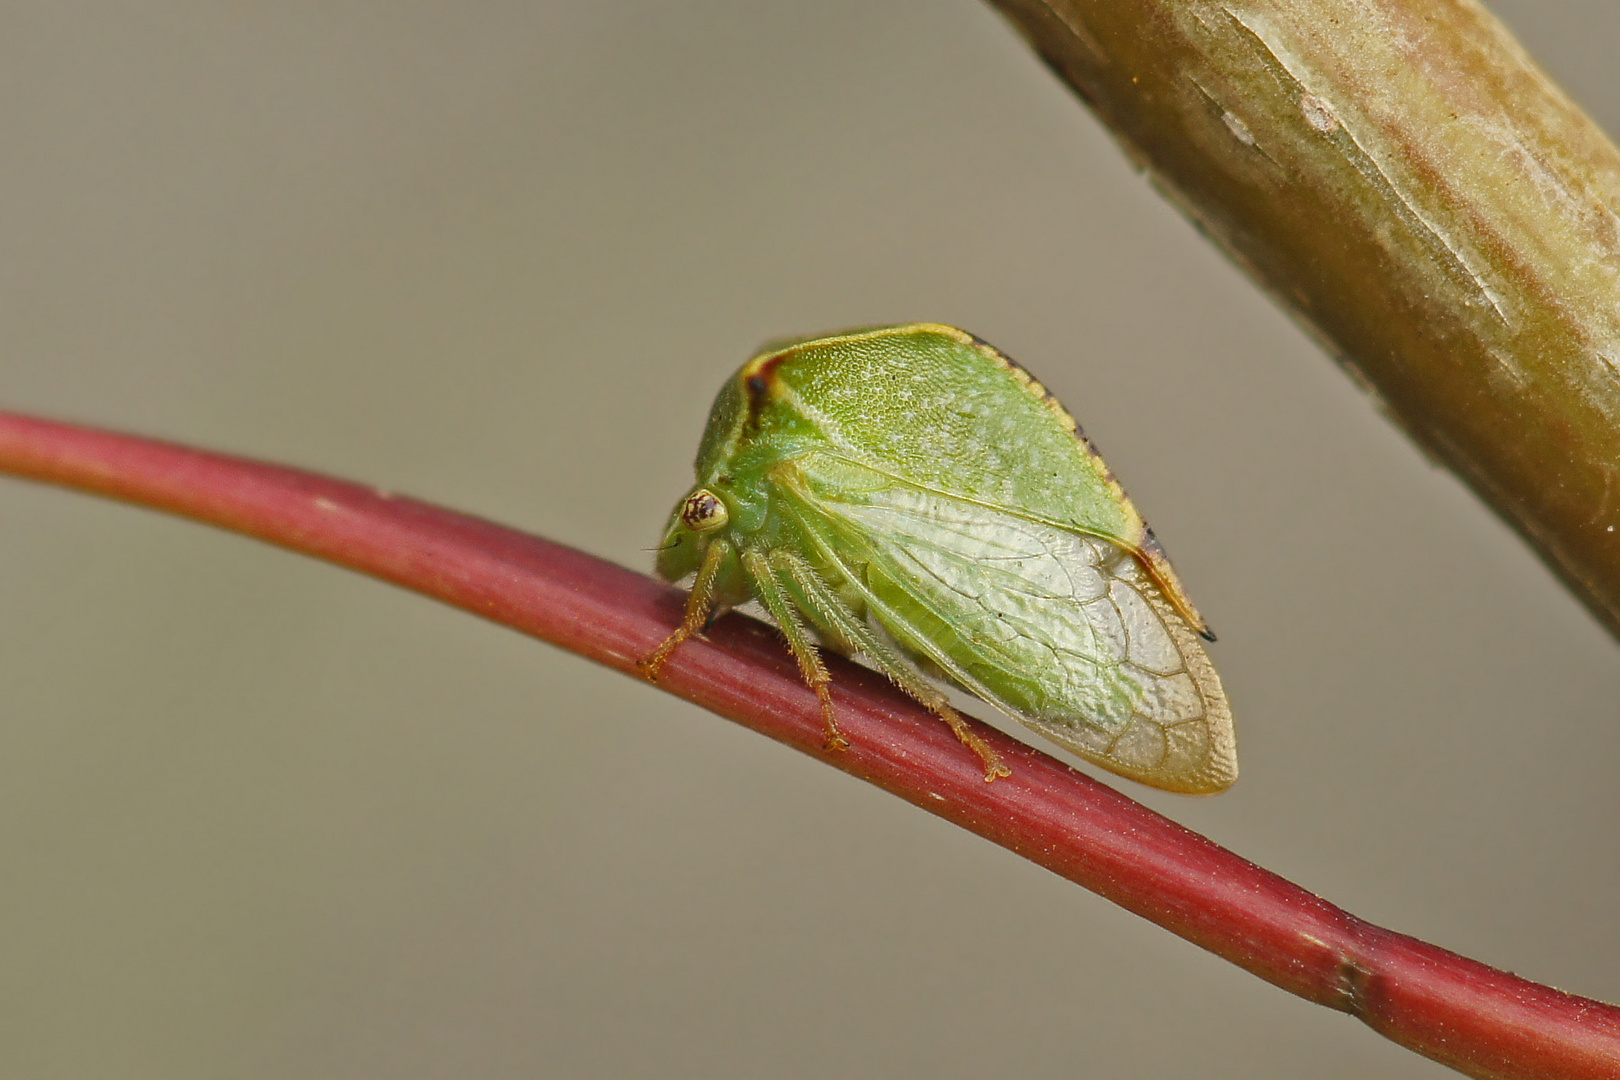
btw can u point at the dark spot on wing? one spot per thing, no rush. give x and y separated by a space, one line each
759 384
1154 553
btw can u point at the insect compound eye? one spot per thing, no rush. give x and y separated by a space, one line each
703 512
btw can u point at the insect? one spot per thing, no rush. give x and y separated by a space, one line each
908 494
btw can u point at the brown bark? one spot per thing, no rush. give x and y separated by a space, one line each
1405 180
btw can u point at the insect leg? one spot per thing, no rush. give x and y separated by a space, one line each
776 601
699 605
884 656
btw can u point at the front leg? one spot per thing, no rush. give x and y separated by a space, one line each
699 609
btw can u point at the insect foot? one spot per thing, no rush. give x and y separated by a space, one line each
652 664
994 768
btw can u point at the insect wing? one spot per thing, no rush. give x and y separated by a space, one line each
1061 630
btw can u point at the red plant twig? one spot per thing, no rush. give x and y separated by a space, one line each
1479 1020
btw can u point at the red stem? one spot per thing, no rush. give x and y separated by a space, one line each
1477 1019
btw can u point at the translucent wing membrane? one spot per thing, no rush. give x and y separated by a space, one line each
1063 631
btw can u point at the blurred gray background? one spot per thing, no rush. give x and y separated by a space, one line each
260 817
